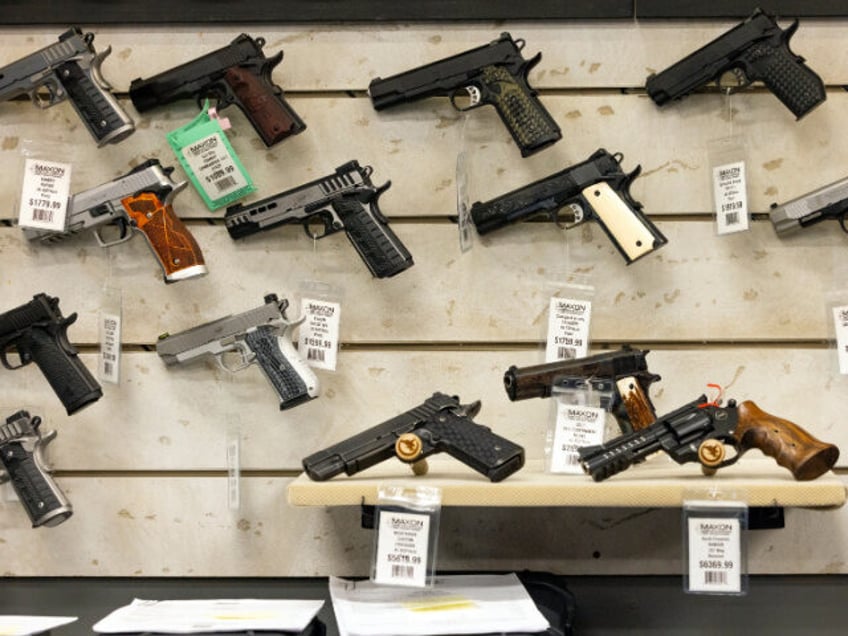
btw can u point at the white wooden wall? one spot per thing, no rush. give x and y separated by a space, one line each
145 467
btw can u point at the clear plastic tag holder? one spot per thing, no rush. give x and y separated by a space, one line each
233 452
109 360
580 416
406 522
566 332
729 183
319 334
837 320
715 544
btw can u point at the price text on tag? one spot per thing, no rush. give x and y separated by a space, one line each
402 548
44 195
568 329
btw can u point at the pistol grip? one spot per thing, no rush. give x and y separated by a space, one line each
44 503
795 84
266 109
97 107
173 245
294 382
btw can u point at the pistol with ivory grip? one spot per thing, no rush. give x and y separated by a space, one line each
261 336
139 201
70 69
439 424
701 432
754 50
22 460
239 74
495 73
343 201
828 202
596 189
626 369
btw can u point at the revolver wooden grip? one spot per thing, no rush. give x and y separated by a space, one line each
174 246
269 113
791 446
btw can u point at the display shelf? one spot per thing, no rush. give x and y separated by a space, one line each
656 483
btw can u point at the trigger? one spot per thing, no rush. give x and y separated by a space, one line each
733 79
576 210
472 93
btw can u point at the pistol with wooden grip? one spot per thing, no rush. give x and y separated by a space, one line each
626 369
495 74
239 74
70 70
439 424
259 336
22 460
597 189
139 201
755 50
701 432
38 332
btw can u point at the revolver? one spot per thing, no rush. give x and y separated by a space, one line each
261 336
596 189
754 50
239 74
22 459
495 73
345 200
38 332
141 201
828 202
438 424
626 369
701 432
70 69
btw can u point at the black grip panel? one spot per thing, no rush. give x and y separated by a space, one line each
530 125
473 444
60 364
39 495
98 110
376 243
794 83
287 382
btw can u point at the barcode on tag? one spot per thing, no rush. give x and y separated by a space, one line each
731 197
225 185
566 353
44 195
110 347
715 577
318 336
403 571
315 354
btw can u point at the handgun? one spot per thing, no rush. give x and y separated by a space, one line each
626 369
439 424
754 50
239 74
495 73
22 459
596 189
70 69
828 202
701 432
139 201
345 200
38 332
261 336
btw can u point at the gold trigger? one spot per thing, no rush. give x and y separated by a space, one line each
738 80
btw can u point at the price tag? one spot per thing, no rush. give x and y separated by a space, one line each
233 470
109 368
568 329
402 549
714 546
318 339
575 426
44 195
840 320
730 197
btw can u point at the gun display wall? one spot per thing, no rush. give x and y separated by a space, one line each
146 465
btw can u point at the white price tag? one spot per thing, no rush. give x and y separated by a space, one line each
731 197
318 339
576 426
715 555
840 320
213 167
233 470
568 329
44 195
110 347
403 543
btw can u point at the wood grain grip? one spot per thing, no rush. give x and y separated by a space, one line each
269 113
791 446
176 250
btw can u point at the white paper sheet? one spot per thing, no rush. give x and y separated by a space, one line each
13 625
462 604
222 615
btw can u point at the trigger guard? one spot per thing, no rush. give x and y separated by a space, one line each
741 77
475 95
326 221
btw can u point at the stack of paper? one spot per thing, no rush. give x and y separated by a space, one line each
25 625
463 604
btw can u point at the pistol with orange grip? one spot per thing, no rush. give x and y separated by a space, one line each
239 74
702 432
141 201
